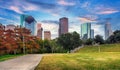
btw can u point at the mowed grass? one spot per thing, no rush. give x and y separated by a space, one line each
103 48
84 59
6 57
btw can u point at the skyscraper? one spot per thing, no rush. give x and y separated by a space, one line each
39 30
30 23
63 25
47 35
85 30
108 30
92 33
22 20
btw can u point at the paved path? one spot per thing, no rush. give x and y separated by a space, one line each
26 62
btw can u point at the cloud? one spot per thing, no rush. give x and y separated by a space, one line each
85 4
98 29
51 26
74 27
101 9
6 21
16 9
108 12
85 19
65 3
50 21
19 6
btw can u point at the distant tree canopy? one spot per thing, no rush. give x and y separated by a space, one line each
115 38
69 41
88 41
99 39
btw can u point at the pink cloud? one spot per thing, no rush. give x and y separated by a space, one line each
16 9
85 19
108 12
65 3
105 10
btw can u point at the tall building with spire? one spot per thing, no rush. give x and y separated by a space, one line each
108 30
63 25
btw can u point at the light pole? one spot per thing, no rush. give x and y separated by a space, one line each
23 41
23 45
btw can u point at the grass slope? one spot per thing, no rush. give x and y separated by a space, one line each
103 48
108 59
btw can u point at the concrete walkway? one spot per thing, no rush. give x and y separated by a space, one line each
26 62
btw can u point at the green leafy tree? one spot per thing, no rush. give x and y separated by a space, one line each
99 39
115 38
89 41
69 41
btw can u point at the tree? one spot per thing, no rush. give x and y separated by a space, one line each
76 39
111 39
99 39
69 41
47 46
11 41
89 41
115 38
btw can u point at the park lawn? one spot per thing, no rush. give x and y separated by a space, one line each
81 61
87 58
103 48
6 57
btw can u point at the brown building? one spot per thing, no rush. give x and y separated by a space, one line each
39 30
63 25
47 35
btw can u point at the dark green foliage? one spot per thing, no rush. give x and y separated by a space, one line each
69 41
99 39
89 41
115 38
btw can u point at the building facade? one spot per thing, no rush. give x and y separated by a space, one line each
22 20
10 26
47 35
39 30
85 30
92 34
108 30
31 24
63 25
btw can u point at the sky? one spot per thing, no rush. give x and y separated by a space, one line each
48 13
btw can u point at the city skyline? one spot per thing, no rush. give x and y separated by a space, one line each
48 12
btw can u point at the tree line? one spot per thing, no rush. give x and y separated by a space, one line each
20 40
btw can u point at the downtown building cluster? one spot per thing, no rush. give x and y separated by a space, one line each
36 29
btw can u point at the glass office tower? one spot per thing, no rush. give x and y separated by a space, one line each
31 24
85 30
108 30
22 20
92 34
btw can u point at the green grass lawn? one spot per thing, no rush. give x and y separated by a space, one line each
103 48
84 59
6 57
